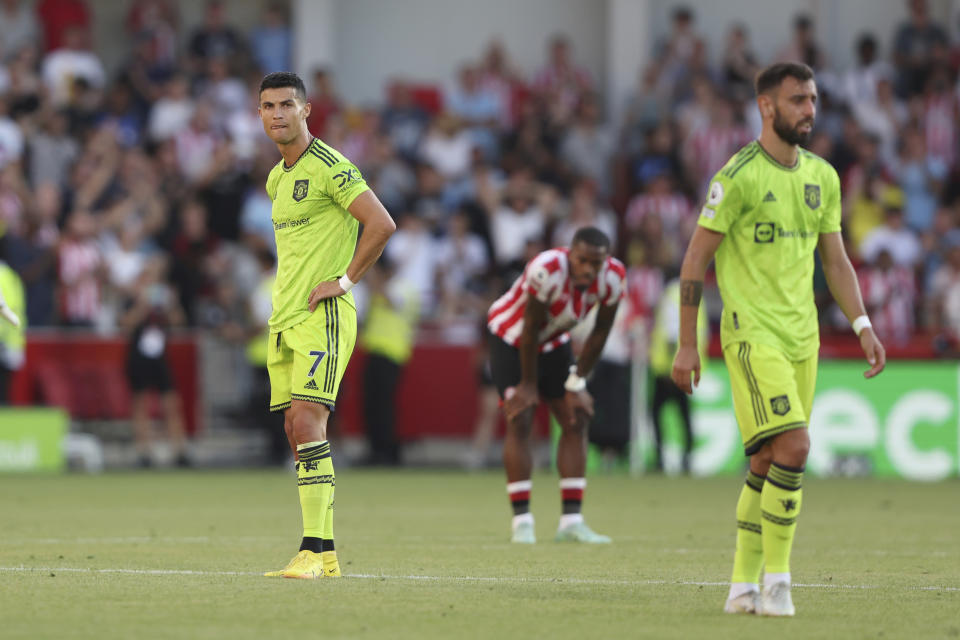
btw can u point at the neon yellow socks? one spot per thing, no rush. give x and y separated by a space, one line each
748 559
315 483
780 503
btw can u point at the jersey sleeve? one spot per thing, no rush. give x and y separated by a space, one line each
615 281
724 203
343 183
271 185
541 282
830 220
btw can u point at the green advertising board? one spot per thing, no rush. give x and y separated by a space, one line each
31 439
905 422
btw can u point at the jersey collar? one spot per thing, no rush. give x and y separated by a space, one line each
778 165
303 153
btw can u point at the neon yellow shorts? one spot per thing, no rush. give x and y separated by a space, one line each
771 394
307 361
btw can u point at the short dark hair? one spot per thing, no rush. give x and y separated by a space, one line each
771 77
802 21
592 236
282 79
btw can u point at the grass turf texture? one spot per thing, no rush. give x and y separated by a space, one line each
433 554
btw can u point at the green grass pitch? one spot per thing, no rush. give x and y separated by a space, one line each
178 555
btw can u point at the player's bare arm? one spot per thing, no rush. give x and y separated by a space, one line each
703 246
842 280
593 345
378 226
525 394
581 402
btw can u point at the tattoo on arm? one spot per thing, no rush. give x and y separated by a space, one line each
690 292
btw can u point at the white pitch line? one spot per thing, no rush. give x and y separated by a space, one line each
495 579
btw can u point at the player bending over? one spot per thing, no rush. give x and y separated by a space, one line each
319 199
767 210
530 357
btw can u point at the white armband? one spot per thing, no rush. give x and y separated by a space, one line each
345 283
861 323
574 382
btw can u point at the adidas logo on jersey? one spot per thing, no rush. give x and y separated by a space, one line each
311 385
769 197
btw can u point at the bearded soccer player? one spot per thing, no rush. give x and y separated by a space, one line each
530 358
767 210
319 199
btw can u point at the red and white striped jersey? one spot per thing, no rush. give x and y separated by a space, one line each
547 278
891 298
940 127
79 283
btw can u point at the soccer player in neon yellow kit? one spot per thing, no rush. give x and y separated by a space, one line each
767 210
319 200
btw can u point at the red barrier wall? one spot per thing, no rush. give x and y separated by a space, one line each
85 374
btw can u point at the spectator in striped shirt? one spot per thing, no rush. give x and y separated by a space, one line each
660 197
561 83
889 293
81 272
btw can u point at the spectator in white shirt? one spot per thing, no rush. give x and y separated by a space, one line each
896 238
171 113
63 66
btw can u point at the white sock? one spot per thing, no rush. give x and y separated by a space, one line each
737 589
770 579
523 518
569 519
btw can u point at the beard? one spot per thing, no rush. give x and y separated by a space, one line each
791 135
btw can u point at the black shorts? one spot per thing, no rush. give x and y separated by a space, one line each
553 368
147 373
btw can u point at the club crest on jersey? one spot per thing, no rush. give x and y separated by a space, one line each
300 189
780 405
811 195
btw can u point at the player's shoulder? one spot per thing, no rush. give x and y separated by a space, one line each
740 161
325 154
275 171
273 177
818 165
613 265
547 270
324 159
551 261
332 166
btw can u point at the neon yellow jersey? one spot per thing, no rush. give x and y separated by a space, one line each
316 235
12 339
771 217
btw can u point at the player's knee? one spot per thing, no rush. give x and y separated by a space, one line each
577 427
760 461
791 448
521 426
305 426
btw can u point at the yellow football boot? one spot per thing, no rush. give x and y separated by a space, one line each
331 568
279 573
306 566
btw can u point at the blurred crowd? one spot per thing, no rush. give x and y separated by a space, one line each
147 184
